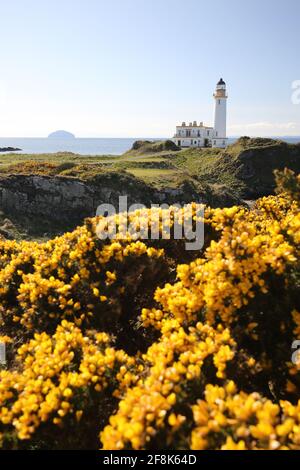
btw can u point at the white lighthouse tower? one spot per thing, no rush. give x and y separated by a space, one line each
196 134
219 140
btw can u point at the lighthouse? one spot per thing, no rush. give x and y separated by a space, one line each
196 134
219 140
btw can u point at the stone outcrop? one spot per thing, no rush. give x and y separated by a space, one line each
54 203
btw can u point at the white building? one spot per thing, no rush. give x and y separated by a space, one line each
198 135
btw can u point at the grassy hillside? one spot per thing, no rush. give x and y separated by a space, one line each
220 178
245 167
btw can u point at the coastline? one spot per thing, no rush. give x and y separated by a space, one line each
87 146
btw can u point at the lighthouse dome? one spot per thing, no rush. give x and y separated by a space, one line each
221 82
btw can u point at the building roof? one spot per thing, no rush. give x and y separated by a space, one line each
221 82
195 127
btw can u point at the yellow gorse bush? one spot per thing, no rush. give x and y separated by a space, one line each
147 346
173 362
226 278
255 422
49 384
63 278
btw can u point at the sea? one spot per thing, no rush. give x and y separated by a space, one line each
86 146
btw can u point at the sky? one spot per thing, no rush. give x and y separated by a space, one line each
136 68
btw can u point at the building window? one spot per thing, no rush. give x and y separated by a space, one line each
215 142
207 132
219 101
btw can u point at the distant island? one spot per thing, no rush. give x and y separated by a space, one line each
10 149
61 135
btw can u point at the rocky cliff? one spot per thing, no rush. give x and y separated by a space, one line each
54 204
247 166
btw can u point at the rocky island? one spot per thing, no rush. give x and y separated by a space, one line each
10 149
59 135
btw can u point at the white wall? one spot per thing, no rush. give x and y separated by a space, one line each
220 117
219 143
190 142
204 132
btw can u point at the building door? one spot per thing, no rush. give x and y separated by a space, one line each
179 143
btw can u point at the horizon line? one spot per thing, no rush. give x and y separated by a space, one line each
150 137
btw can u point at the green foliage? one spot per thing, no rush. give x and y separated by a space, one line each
288 182
246 167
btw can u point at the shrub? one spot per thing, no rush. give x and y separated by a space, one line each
105 338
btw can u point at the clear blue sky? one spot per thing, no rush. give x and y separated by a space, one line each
117 68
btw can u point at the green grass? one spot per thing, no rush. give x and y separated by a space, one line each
155 176
152 168
242 171
59 157
162 167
